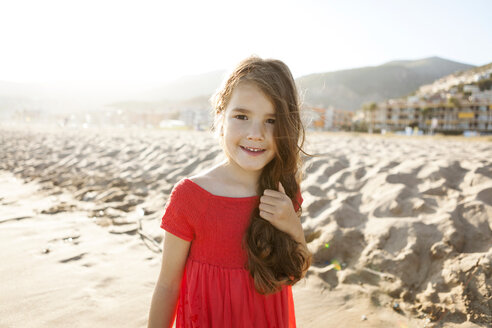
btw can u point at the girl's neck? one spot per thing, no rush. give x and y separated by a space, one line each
239 177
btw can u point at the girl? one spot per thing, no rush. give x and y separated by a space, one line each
234 242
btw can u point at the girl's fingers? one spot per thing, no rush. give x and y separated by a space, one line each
267 208
281 188
269 200
273 193
267 216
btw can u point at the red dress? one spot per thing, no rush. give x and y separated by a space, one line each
216 290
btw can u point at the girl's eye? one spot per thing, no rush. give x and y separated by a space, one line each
240 117
271 121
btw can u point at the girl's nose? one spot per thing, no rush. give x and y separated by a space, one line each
256 132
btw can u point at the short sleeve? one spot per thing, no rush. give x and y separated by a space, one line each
178 213
297 201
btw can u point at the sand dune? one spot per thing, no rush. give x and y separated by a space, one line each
388 219
409 218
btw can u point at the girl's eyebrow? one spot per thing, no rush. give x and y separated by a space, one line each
247 111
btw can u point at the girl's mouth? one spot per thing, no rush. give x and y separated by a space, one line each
253 151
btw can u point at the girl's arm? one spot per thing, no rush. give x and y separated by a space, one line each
276 207
164 300
302 244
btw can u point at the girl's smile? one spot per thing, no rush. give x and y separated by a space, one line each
253 151
248 128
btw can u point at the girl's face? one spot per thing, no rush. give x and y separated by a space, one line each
248 126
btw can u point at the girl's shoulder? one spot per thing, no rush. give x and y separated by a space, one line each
214 184
204 181
210 182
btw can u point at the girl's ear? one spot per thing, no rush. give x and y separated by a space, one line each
219 124
221 118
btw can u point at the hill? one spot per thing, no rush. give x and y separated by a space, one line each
345 89
478 75
187 87
349 89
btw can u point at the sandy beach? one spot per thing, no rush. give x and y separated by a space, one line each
400 227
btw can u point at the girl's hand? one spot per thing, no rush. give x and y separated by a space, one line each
276 207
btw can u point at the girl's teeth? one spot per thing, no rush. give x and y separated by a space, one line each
255 150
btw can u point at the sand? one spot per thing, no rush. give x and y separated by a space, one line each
400 228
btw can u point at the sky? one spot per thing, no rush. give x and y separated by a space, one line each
148 41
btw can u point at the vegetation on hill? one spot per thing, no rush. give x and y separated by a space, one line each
350 89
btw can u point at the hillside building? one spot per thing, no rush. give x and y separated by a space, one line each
449 116
447 106
330 119
197 118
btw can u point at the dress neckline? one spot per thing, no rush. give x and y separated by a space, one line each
217 196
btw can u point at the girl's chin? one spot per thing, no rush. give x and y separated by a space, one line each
246 165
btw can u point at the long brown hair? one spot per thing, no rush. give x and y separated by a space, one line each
274 257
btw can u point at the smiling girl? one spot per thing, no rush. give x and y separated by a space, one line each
234 244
